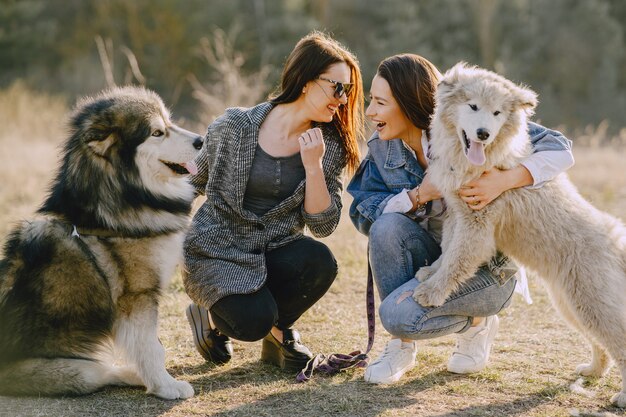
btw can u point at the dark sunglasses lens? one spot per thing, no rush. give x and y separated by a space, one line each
339 90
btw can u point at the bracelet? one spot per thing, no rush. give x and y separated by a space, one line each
419 207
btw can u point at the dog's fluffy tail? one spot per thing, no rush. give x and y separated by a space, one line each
57 376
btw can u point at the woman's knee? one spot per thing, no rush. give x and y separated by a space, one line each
394 318
402 317
322 261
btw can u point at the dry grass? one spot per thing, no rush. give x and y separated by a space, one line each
531 367
32 129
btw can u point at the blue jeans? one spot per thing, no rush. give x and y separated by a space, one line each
399 246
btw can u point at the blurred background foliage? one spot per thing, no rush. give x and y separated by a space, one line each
203 55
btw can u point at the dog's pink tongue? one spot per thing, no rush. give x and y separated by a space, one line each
191 167
476 153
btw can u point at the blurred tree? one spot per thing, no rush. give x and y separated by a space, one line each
229 86
572 53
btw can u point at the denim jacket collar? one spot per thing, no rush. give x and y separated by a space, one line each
399 156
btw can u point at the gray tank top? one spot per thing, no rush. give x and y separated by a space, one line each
272 179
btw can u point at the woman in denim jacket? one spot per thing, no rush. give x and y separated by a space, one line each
396 205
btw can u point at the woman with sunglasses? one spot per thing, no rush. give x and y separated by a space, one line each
268 172
399 209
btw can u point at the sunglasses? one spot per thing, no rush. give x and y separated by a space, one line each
340 88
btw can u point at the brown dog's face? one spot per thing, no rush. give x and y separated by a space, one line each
127 132
169 151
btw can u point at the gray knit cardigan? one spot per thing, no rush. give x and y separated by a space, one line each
226 244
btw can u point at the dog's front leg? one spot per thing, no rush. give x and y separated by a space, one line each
471 244
136 334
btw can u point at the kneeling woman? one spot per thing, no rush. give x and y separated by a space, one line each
397 206
269 171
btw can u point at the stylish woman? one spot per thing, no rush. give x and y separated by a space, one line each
268 172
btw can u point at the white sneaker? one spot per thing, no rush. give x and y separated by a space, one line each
473 347
397 358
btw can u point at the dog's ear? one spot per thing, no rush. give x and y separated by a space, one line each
93 125
525 99
103 146
451 79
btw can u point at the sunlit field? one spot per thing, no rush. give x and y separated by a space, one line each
532 362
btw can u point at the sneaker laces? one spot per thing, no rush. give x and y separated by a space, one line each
394 354
387 352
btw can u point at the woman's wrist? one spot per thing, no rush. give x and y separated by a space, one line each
516 177
315 169
523 176
419 201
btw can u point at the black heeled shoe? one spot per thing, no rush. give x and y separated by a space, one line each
291 355
210 343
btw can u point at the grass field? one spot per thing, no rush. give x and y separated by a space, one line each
532 362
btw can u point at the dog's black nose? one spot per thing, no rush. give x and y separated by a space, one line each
483 134
197 143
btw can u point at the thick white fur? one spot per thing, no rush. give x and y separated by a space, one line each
578 250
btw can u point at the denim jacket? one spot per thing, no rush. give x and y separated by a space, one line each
389 167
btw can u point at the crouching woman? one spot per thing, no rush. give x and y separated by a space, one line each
397 206
267 172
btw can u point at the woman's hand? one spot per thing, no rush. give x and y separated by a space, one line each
486 188
312 148
428 191
316 195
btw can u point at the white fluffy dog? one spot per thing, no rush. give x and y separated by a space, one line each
480 123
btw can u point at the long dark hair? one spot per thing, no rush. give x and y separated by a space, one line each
311 56
413 80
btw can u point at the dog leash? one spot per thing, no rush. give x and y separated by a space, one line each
338 362
90 256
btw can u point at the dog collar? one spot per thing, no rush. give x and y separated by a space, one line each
82 231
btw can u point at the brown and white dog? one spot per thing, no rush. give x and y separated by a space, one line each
81 280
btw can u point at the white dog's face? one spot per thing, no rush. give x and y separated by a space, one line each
479 106
478 125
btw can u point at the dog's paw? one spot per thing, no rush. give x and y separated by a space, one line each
174 390
586 369
429 295
424 273
619 399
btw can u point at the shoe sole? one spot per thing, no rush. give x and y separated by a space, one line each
194 317
270 354
493 330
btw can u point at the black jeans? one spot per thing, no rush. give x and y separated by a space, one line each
298 275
